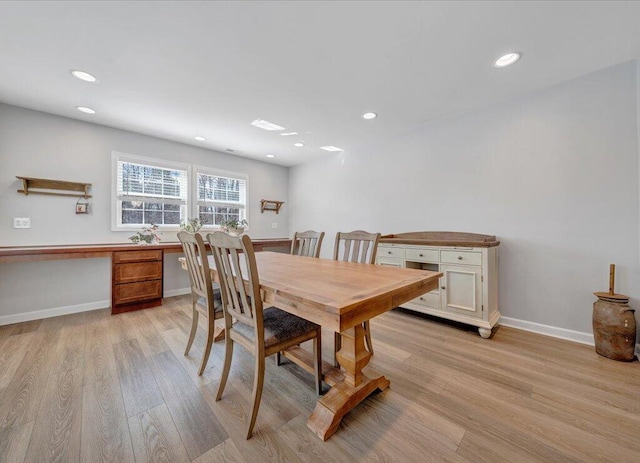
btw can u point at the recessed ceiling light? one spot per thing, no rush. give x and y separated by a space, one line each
84 109
288 134
369 116
266 125
82 75
298 145
271 155
331 148
199 138
507 60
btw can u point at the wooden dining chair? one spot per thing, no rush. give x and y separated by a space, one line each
307 243
205 298
262 331
356 246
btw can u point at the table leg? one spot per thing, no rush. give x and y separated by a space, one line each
355 387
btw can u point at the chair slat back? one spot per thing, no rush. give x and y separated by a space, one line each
195 253
356 246
307 243
238 274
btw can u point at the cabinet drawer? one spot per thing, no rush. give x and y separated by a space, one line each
429 300
136 256
134 292
461 257
389 262
428 255
391 251
137 271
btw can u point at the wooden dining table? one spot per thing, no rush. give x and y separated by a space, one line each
339 296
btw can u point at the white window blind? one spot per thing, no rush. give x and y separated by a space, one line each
149 192
220 196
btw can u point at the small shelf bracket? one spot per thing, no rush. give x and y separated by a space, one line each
42 186
269 205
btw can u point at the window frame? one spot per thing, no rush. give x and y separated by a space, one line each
116 204
197 169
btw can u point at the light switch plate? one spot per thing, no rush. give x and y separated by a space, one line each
21 222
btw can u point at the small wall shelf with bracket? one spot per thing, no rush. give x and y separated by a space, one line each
42 186
268 205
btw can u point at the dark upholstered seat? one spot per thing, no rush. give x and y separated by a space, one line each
217 302
279 326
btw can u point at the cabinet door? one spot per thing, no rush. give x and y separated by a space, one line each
461 289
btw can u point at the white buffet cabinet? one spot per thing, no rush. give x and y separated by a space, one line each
468 289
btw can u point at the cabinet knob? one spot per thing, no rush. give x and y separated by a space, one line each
443 287
459 257
421 255
388 252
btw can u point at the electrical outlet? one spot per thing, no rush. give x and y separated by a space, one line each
21 222
274 225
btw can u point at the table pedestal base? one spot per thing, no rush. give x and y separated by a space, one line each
340 399
218 333
353 389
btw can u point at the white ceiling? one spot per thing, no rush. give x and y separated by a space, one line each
179 69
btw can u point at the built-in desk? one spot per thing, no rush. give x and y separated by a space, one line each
136 270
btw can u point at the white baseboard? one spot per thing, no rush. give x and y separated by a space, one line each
66 310
177 292
55 312
562 333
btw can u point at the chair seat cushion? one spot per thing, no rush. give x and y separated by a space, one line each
279 326
217 302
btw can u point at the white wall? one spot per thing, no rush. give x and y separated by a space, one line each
36 144
554 175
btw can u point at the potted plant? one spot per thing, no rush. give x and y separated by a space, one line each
233 227
146 236
191 225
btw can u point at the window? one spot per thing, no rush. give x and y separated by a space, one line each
220 196
149 191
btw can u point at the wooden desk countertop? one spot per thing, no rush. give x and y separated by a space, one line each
85 251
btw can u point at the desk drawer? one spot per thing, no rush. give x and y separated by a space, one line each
134 292
120 257
137 271
461 257
423 255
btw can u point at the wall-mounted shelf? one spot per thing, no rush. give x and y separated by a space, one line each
42 186
268 205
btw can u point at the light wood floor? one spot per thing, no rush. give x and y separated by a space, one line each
94 387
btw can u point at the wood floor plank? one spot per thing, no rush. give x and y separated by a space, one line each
14 443
21 398
307 445
105 433
176 340
121 327
155 437
139 389
150 339
99 361
546 428
225 452
198 427
11 354
233 411
26 327
56 433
